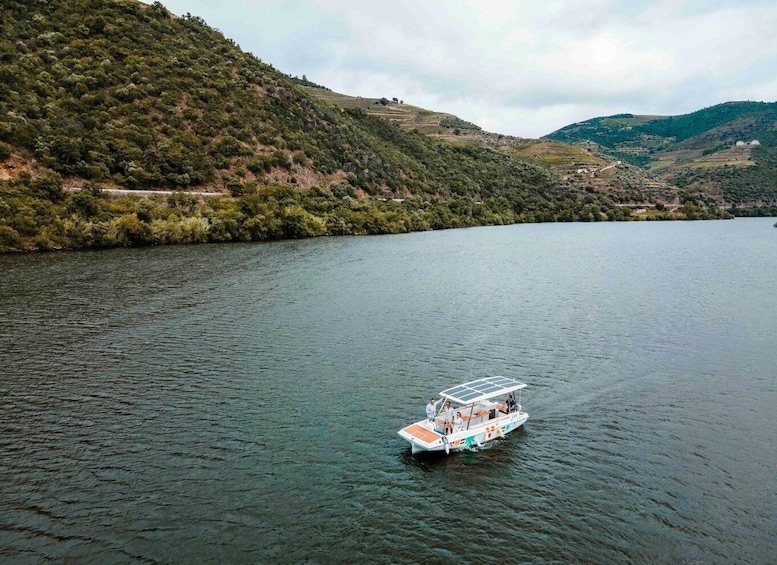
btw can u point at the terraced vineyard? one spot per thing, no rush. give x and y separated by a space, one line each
728 151
406 116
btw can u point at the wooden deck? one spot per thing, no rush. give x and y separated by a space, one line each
422 433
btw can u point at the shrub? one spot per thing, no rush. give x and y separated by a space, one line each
5 151
10 239
228 146
131 231
48 186
83 203
259 164
281 159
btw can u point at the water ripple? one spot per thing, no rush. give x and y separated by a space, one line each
240 403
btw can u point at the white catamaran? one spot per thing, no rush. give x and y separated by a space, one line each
482 418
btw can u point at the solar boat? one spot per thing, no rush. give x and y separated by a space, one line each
484 409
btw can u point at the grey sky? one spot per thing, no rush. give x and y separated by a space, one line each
523 68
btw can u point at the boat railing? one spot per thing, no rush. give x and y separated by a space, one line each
480 415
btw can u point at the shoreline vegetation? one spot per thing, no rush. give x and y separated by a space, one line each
99 95
38 214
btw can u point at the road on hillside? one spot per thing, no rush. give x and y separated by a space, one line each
150 192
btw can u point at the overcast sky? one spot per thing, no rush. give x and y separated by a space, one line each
523 68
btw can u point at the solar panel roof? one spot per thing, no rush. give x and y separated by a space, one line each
481 389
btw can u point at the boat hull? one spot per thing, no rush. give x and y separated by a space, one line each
423 438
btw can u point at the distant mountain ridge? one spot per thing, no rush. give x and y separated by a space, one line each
735 119
728 150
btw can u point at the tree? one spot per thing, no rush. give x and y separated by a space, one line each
132 231
48 186
83 203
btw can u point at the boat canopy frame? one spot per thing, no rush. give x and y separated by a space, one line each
481 389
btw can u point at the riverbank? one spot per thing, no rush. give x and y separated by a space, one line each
40 214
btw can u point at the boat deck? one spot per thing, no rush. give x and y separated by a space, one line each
422 433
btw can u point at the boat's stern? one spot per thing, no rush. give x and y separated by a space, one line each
422 437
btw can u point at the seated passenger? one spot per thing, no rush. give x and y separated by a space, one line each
458 423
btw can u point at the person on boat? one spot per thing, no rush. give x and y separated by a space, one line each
431 409
512 406
448 422
458 422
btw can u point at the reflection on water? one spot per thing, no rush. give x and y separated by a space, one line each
239 403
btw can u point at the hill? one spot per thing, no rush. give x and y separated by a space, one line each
100 94
728 151
406 116
588 166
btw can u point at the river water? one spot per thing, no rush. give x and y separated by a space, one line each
239 403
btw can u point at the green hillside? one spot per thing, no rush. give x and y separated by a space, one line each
407 116
709 150
589 167
100 95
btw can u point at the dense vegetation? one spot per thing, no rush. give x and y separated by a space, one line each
743 186
38 214
121 92
458 123
305 82
106 93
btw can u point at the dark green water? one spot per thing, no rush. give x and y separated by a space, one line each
239 403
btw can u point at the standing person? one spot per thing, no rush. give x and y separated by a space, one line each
431 409
448 423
